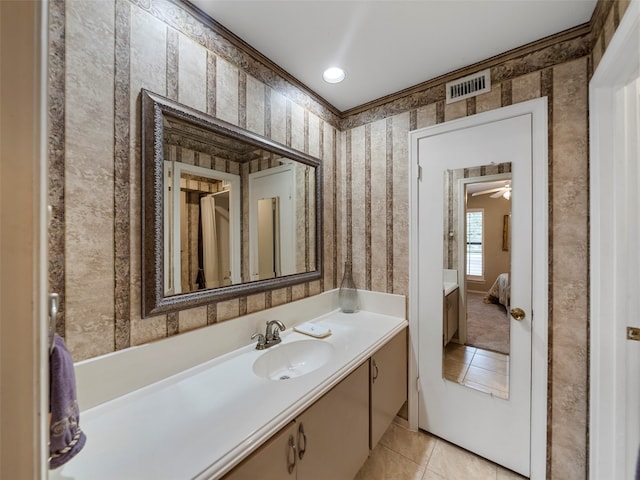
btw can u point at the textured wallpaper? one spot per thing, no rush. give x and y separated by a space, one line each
103 53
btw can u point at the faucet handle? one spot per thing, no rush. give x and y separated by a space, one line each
275 334
261 340
273 330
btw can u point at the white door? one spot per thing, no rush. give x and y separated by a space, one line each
628 244
496 428
278 183
615 258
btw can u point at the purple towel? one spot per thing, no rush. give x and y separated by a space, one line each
65 437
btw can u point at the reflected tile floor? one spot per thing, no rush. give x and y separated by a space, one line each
406 455
477 368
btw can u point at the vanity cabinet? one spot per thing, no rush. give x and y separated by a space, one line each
329 440
450 316
337 431
388 384
271 460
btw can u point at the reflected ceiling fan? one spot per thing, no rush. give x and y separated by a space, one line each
504 191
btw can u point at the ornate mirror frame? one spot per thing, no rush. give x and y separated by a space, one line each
154 300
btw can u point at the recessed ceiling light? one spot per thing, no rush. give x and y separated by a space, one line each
334 75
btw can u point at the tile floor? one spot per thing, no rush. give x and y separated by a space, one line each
406 455
477 368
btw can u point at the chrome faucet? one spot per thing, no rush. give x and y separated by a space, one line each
271 336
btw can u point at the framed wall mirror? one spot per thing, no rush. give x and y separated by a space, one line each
226 212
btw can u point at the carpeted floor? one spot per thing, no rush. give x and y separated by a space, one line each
487 324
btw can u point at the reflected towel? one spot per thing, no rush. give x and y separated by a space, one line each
65 437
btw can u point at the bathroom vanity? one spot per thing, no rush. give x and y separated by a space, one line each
450 302
236 413
332 438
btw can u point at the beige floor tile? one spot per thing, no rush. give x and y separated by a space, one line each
461 353
454 370
485 377
503 395
486 372
454 463
392 459
403 422
385 464
416 446
431 475
496 355
486 389
491 363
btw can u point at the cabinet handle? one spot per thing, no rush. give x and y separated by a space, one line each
302 441
292 455
375 370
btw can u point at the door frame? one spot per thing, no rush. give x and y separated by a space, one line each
462 247
540 305
608 379
24 376
235 237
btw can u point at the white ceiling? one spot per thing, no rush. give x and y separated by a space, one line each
482 186
388 45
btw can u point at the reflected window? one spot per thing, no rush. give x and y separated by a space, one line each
475 236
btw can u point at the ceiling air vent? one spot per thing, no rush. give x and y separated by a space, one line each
469 86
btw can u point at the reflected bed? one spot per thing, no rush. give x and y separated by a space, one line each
499 291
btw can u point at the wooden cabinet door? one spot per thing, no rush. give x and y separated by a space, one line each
333 434
388 384
272 460
450 316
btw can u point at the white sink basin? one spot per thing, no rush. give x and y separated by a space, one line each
289 360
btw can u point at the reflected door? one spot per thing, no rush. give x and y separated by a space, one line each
495 427
272 232
268 238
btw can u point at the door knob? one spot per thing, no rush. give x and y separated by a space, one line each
517 313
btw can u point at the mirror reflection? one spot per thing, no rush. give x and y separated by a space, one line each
476 283
202 228
205 177
229 213
269 263
282 221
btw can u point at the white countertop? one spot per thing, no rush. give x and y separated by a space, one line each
449 280
449 287
201 422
